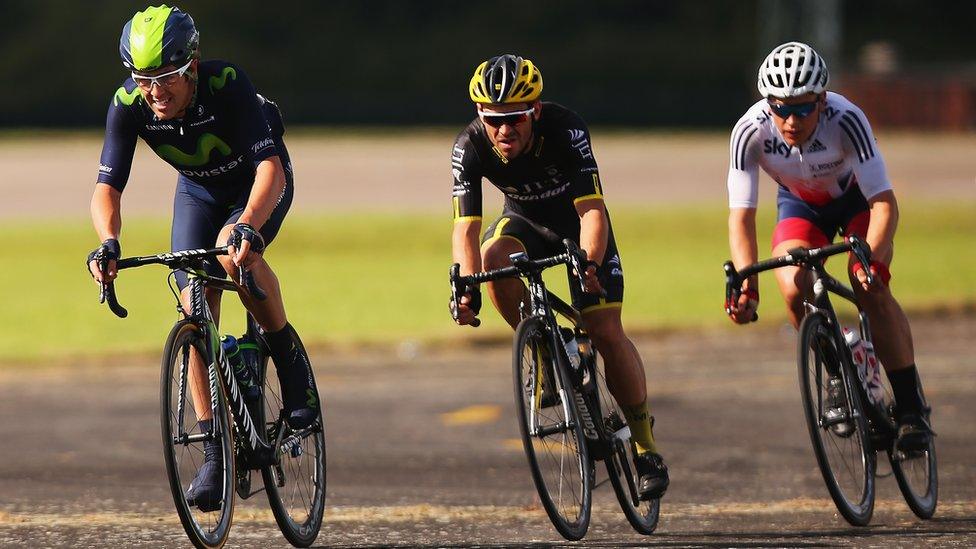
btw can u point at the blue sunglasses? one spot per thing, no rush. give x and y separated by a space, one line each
801 110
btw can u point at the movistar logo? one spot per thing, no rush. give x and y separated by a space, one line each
205 145
312 400
218 82
127 98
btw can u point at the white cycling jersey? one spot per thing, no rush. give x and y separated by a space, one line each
841 153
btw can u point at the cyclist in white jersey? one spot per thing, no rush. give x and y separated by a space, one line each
819 148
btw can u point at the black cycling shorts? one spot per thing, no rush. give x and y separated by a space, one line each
199 213
539 241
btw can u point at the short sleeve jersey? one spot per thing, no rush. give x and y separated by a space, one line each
841 153
543 183
227 130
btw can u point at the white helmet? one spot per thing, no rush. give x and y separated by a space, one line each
792 69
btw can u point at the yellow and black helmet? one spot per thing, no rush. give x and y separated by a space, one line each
506 79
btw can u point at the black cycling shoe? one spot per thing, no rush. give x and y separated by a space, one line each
550 397
914 433
298 392
835 408
652 476
206 489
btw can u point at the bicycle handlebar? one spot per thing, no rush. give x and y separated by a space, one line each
521 265
798 257
183 259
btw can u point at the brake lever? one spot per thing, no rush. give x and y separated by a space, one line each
456 292
733 289
862 251
106 292
576 262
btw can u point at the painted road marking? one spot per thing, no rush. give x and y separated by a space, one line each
479 513
471 415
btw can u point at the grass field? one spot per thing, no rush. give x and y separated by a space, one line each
351 280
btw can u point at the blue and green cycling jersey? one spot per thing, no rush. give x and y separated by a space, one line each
227 130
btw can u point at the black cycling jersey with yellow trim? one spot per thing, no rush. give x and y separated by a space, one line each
227 130
543 183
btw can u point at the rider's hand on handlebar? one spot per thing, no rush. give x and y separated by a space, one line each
104 256
744 309
880 274
468 308
243 240
592 281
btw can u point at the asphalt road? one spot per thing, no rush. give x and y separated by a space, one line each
423 451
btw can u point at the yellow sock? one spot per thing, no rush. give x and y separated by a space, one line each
639 421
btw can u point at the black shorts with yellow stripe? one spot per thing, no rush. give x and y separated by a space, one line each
539 241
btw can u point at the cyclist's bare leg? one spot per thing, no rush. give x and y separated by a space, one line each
269 313
890 331
506 293
625 373
795 284
197 375
625 370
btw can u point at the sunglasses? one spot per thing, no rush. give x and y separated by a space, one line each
801 110
165 80
498 119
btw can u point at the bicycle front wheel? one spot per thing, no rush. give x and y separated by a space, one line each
183 440
918 479
552 435
296 485
841 441
641 514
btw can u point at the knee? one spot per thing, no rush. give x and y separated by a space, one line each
497 256
793 298
606 335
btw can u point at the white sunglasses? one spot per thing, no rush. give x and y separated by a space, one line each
164 80
512 118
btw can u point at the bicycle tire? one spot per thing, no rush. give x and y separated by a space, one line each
567 500
852 490
298 507
918 479
643 515
205 529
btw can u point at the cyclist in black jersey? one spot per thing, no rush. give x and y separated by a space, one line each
539 155
234 187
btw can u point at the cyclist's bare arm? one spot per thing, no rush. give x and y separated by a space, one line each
745 251
884 221
106 213
269 184
594 232
465 249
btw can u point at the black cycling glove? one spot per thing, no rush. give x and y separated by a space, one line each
474 305
109 250
243 231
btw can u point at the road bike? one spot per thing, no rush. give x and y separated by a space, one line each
253 435
846 443
567 417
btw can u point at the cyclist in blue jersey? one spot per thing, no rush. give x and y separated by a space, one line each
234 187
819 148
538 155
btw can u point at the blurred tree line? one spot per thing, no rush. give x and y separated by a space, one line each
618 62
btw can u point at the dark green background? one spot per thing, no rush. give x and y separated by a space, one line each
628 63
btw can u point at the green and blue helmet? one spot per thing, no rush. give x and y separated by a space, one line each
158 36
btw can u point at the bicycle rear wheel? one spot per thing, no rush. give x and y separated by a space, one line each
296 485
918 479
552 436
183 441
642 515
842 446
